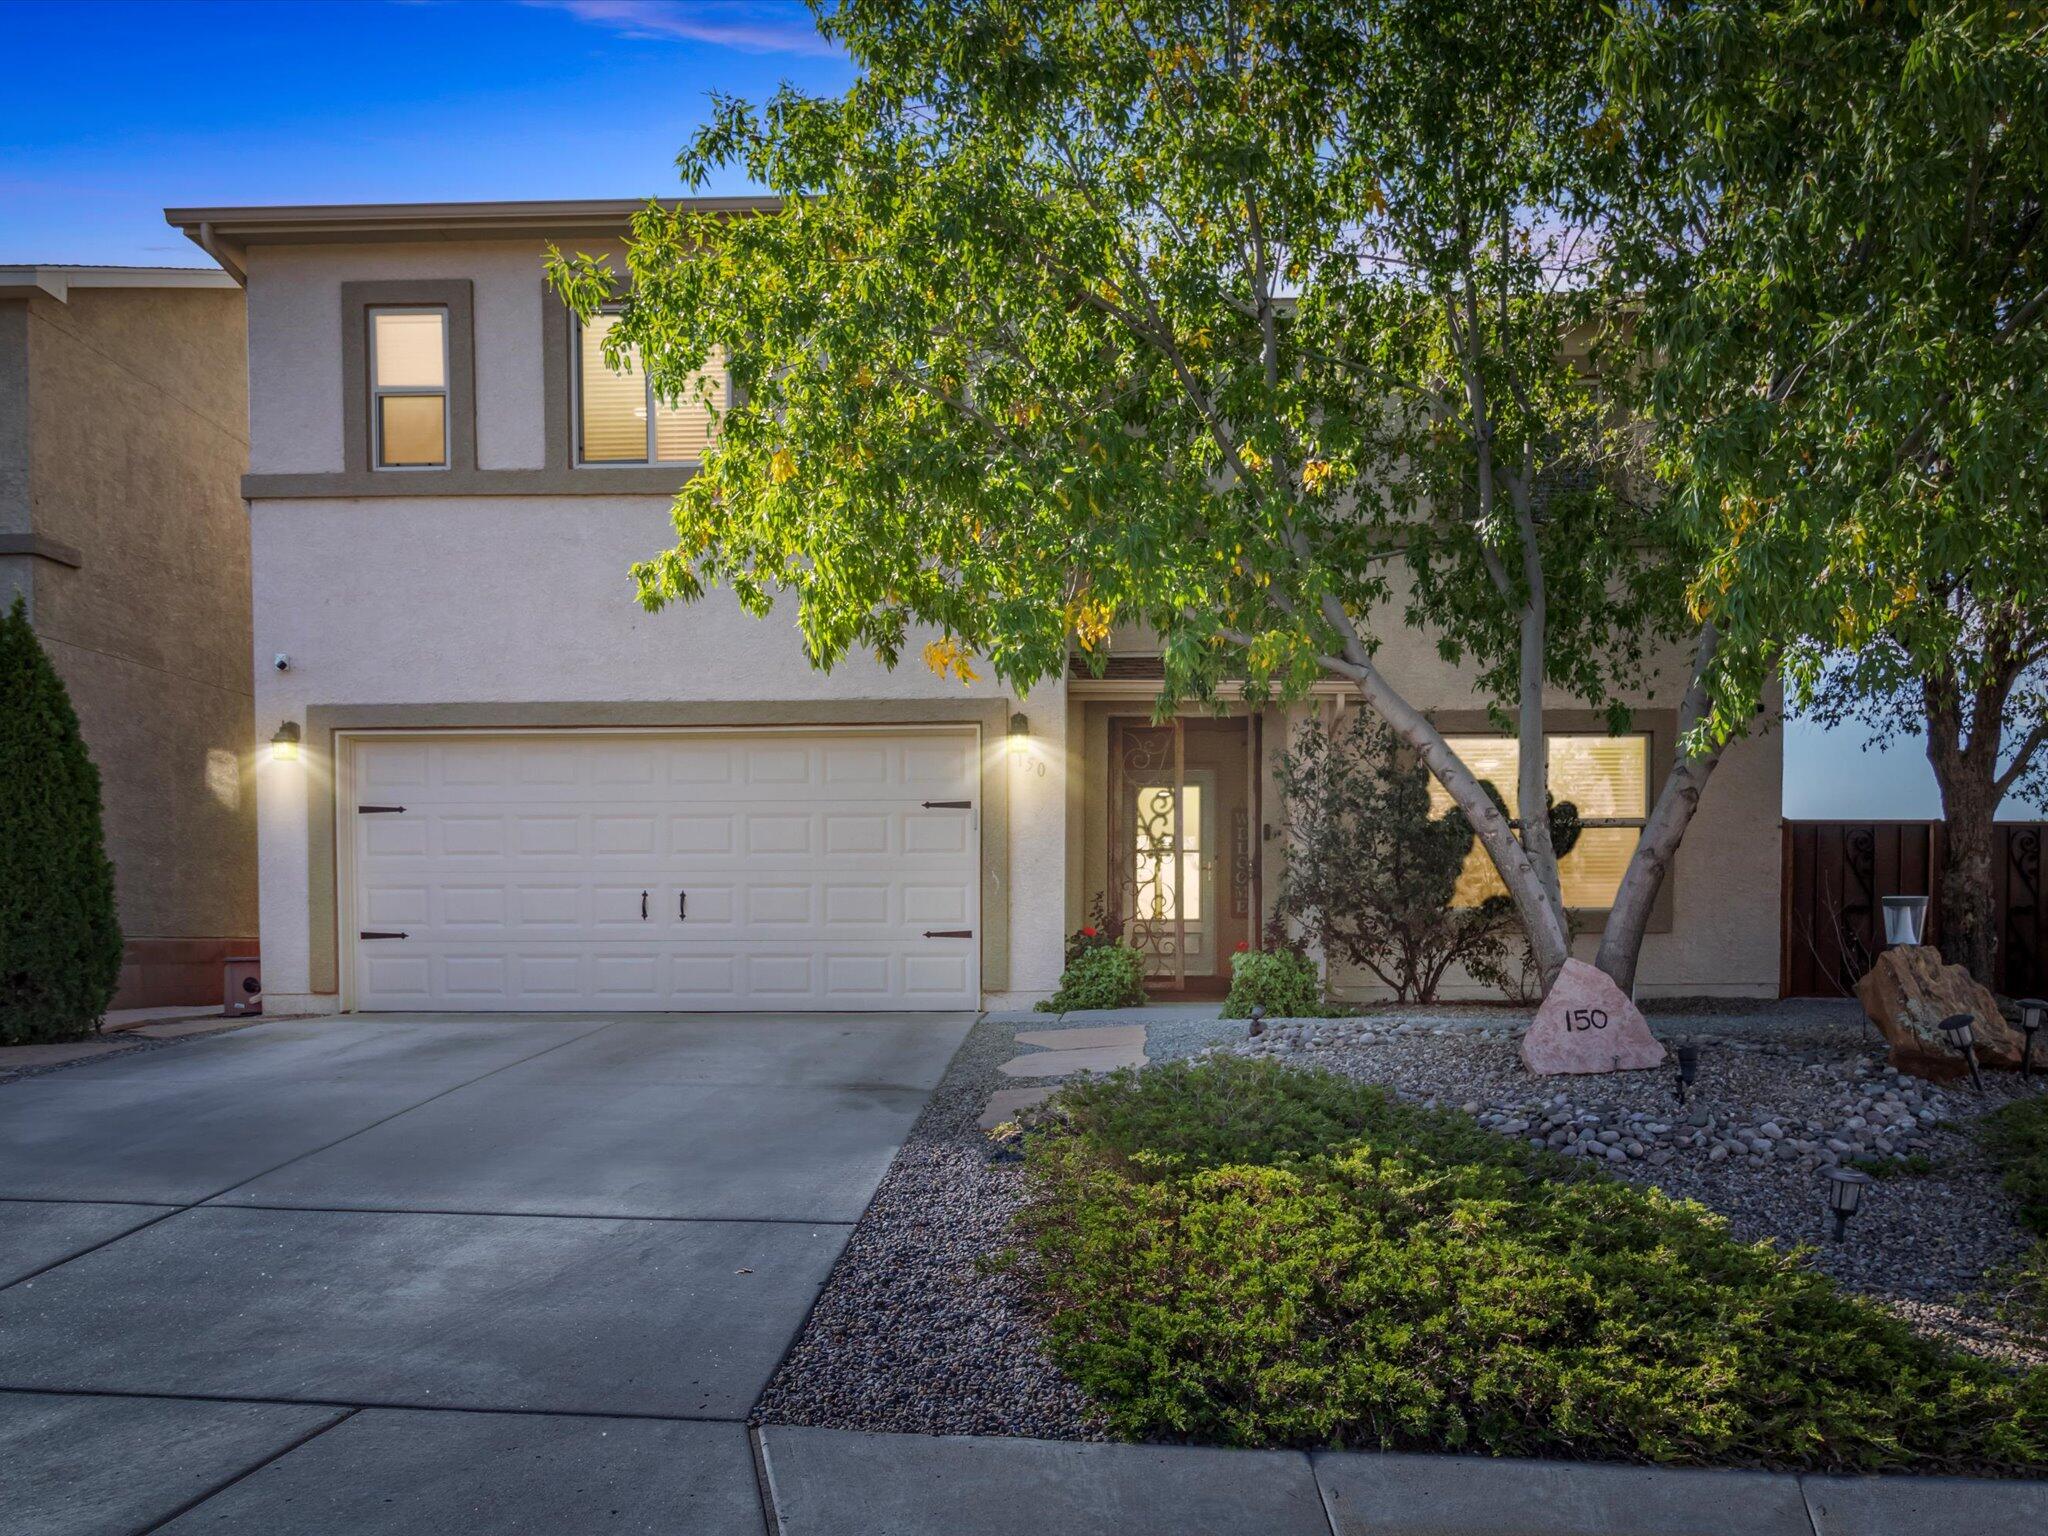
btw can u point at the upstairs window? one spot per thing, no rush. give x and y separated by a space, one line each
409 388
1606 777
618 418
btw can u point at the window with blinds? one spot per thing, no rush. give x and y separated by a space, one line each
1606 777
409 388
619 418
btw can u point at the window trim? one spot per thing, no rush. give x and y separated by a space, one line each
381 392
360 473
578 332
1637 824
1660 725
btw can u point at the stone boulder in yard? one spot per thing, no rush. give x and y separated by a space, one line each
1910 991
1587 1024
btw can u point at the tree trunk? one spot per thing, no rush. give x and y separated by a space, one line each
1964 756
1969 914
1621 942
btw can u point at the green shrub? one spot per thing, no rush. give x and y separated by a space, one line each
1246 1254
1285 982
60 945
1102 976
2016 1137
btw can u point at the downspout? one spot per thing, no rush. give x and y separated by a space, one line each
222 252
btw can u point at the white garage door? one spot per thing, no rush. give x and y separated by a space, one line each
736 870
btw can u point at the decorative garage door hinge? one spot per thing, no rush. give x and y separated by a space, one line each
378 933
378 810
947 805
949 933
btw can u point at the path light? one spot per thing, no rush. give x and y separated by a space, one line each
1904 918
1845 1194
1258 1019
2032 1013
1688 1069
1957 1026
284 746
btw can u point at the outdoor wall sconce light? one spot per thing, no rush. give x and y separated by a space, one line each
1845 1195
1904 919
1957 1026
2032 1013
1020 725
1688 1069
284 746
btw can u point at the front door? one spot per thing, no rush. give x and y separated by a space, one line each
1183 858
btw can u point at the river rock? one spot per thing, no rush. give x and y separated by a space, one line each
1586 1024
1910 991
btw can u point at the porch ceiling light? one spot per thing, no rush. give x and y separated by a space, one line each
1961 1035
2033 1013
284 746
1845 1195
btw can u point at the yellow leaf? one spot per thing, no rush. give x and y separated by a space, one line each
947 659
782 467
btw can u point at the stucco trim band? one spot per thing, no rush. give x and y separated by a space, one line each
320 764
37 547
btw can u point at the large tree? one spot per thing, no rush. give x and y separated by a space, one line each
1846 284
1273 325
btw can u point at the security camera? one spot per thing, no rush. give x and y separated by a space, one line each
282 662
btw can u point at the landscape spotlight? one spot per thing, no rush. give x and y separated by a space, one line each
1957 1026
2032 1011
1258 1019
1845 1194
1688 1068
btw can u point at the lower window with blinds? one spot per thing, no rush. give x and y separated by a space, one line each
1606 777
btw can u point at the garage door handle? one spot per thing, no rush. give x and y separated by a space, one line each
682 906
947 805
375 933
643 906
949 933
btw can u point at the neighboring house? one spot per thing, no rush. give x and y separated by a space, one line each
518 790
123 411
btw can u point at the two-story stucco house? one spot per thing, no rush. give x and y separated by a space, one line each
505 786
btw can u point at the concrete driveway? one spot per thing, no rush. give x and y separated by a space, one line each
483 1273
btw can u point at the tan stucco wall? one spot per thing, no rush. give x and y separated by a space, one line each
137 440
1716 931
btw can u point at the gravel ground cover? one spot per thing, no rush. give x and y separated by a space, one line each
911 1336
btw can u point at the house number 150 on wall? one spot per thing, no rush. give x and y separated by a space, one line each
1586 1018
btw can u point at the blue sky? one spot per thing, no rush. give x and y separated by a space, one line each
137 107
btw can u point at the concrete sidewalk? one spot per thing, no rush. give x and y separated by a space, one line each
851 1484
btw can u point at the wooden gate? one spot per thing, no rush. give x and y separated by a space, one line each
1837 874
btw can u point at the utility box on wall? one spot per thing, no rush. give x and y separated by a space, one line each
242 984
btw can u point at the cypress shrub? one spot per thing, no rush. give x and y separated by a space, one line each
60 941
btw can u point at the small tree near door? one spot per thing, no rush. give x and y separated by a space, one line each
60 945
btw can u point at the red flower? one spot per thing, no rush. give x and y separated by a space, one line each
1090 933
1243 945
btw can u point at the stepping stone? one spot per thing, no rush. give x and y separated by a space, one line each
1005 1104
1130 1036
1102 1058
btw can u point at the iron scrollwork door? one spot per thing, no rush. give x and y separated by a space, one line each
1149 845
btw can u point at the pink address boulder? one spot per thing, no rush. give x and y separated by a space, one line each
1587 1024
